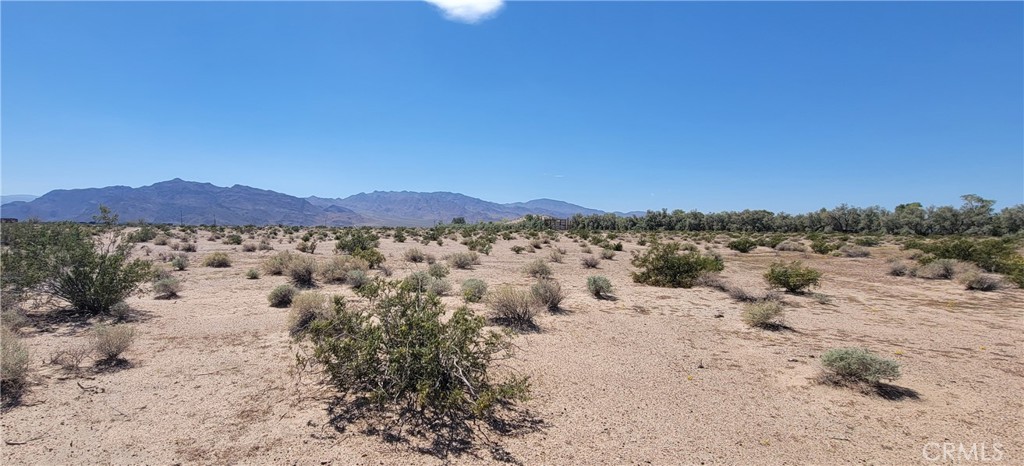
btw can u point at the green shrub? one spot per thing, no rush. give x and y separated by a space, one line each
252 274
473 290
858 365
464 260
217 259
538 269
167 288
233 239
867 241
110 341
822 246
15 362
548 293
764 314
512 307
401 355
373 257
281 296
305 308
792 277
744 244
62 261
663 265
600 287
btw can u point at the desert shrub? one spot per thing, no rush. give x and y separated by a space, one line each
764 314
233 239
788 245
590 262
977 281
373 257
536 244
357 278
337 268
278 263
586 250
663 265
417 281
792 277
854 251
900 268
617 246
167 288
161 239
867 241
308 247
517 249
217 259
599 286
265 245
13 318
179 262
414 255
473 290
744 244
281 296
70 357
305 308
512 307
15 361
357 240
744 295
110 341
302 271
556 256
400 353
248 247
63 261
858 365
821 246
438 286
438 270
939 269
252 274
188 247
548 293
607 254
463 260
538 269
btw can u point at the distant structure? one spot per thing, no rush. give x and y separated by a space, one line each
557 223
8 220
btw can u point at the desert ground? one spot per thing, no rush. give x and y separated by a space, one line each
655 375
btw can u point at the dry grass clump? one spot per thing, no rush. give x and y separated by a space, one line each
110 341
464 260
943 269
517 249
248 247
607 254
792 246
512 307
538 269
590 262
414 255
556 256
849 250
302 271
15 362
977 281
167 288
336 270
71 357
548 293
281 296
306 307
278 263
218 260
899 268
763 314
188 247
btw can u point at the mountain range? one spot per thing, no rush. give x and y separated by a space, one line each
192 202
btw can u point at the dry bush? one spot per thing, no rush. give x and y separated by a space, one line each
217 259
188 247
590 262
179 262
548 293
278 263
464 260
15 362
248 247
473 290
512 307
607 254
538 269
306 307
336 269
281 296
265 245
849 250
764 314
555 256
71 357
517 249
600 287
110 341
167 288
438 270
438 286
252 274
978 281
13 318
792 246
302 271
900 268
357 278
943 269
586 250
414 255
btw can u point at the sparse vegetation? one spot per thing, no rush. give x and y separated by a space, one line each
512 307
538 269
302 271
663 265
463 260
600 287
252 274
548 293
978 281
743 245
473 290
793 277
763 314
217 260
167 288
15 361
281 296
111 341
590 262
857 365
305 308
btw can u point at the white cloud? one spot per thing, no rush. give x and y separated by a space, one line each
468 11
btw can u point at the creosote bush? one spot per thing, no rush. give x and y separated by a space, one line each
110 341
473 290
743 245
281 296
845 365
793 277
400 355
548 293
512 307
663 265
217 259
764 314
438 270
600 287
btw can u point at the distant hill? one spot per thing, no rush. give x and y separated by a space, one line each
4 199
195 203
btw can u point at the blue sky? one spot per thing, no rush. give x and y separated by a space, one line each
616 106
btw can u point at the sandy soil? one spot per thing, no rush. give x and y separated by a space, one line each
662 376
